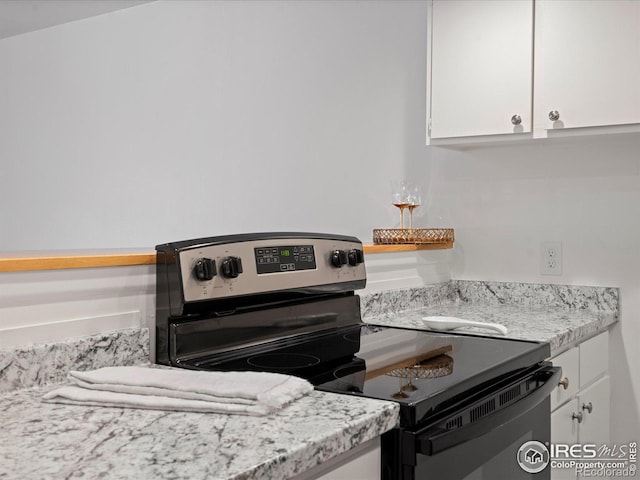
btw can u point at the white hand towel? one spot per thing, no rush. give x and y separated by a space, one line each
249 393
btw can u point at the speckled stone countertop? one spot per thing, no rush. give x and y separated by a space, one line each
50 441
53 441
560 328
558 314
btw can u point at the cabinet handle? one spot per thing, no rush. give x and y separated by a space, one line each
554 115
564 383
516 120
577 416
588 407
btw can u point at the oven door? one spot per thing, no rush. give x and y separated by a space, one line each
479 441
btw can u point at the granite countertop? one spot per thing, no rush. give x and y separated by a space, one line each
51 441
559 327
561 315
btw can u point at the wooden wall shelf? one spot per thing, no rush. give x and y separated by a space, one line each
407 247
19 262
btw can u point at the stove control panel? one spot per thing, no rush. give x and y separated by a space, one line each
218 270
285 258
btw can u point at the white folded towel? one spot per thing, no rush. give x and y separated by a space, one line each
247 393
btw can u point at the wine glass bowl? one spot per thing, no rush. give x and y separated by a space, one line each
400 194
414 200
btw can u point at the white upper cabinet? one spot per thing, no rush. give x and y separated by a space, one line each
491 61
587 63
481 67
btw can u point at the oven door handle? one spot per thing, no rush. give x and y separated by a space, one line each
435 440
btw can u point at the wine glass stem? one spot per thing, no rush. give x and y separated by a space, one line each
402 218
410 219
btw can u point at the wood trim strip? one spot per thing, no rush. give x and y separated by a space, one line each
57 262
20 263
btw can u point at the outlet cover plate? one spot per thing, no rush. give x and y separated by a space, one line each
551 258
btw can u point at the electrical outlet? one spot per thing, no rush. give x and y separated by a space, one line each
551 258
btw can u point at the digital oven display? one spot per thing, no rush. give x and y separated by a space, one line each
285 259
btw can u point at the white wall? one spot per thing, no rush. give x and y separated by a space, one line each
179 119
584 192
51 306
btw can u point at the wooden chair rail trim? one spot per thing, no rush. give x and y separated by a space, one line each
16 262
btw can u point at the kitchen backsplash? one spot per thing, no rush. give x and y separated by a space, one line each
392 301
38 365
594 299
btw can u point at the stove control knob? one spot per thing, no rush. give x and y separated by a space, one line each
205 269
232 267
356 257
338 258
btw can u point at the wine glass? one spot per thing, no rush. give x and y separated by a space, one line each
400 197
414 200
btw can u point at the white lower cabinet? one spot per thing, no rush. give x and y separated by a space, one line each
594 403
359 463
580 406
564 429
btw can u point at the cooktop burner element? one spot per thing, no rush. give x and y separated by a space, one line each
286 361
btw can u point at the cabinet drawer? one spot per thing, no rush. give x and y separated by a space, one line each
594 402
594 358
569 361
564 429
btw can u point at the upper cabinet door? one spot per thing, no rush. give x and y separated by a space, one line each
587 63
481 67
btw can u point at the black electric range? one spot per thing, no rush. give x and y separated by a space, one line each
285 302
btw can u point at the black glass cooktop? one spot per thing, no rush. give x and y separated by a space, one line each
419 369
